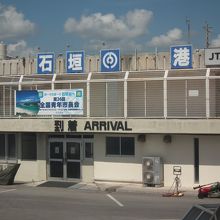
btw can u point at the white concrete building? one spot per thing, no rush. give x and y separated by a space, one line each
127 116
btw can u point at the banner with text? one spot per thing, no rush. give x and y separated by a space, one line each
49 102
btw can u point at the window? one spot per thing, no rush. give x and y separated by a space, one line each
2 147
123 146
7 147
88 150
196 160
11 146
127 146
112 145
29 146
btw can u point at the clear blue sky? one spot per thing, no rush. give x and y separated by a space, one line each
94 24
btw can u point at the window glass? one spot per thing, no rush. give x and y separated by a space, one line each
29 146
11 146
89 136
112 146
88 150
77 136
2 146
120 146
127 146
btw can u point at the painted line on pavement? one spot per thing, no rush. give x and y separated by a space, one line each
9 190
115 200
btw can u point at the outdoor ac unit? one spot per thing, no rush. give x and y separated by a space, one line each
152 171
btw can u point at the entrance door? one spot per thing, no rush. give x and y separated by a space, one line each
56 152
73 159
65 159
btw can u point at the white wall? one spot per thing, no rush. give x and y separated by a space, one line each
180 152
30 171
128 172
115 168
209 158
87 170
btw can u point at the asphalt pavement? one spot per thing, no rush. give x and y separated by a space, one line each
100 200
128 187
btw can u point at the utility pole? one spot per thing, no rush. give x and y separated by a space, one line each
208 31
188 23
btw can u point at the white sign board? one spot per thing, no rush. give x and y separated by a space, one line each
212 57
194 93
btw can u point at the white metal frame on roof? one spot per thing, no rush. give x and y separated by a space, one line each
32 80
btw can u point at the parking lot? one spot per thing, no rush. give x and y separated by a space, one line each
22 202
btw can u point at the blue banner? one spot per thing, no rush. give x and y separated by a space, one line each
110 60
181 57
45 63
75 61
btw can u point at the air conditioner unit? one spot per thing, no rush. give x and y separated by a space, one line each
152 171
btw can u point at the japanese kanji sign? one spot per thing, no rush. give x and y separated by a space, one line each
72 125
181 57
75 61
45 63
58 126
49 102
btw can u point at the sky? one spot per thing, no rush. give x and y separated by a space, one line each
30 26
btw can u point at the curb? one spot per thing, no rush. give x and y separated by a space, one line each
109 188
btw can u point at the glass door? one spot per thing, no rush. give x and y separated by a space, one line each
56 161
73 159
64 159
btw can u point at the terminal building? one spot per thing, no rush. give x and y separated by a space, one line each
135 125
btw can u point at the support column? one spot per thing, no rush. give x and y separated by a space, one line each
88 94
207 93
126 95
165 94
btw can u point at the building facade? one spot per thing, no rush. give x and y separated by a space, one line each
145 111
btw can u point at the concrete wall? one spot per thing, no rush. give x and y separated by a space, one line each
209 158
180 152
138 125
87 170
143 61
116 168
32 171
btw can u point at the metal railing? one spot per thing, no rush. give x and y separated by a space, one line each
147 94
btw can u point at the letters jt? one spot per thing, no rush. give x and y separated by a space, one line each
215 56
